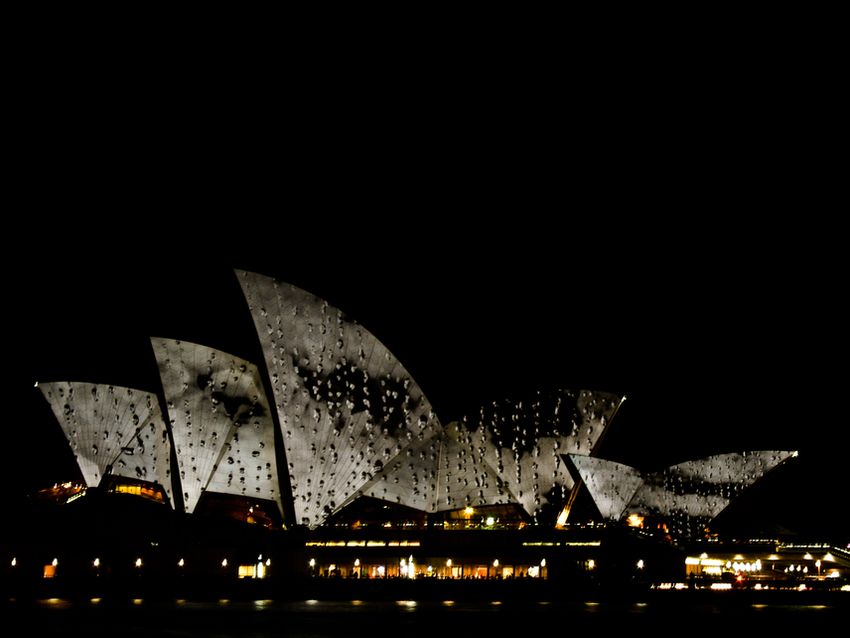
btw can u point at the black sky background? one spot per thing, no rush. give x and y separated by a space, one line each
660 228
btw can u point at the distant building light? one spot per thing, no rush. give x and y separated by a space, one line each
578 543
496 563
807 556
96 562
635 520
591 564
246 571
224 563
490 521
181 563
138 562
468 511
543 562
449 562
640 564
55 562
14 561
312 562
268 562
357 562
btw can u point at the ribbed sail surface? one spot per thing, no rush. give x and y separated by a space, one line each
611 485
346 406
444 472
112 429
222 426
523 440
692 493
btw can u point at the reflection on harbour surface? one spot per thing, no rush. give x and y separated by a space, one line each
697 615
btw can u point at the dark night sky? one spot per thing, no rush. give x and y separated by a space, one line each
662 231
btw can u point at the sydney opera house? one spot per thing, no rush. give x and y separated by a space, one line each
331 457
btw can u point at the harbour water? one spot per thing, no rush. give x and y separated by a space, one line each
671 615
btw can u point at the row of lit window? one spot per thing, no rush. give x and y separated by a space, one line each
359 543
562 543
362 544
245 571
407 568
